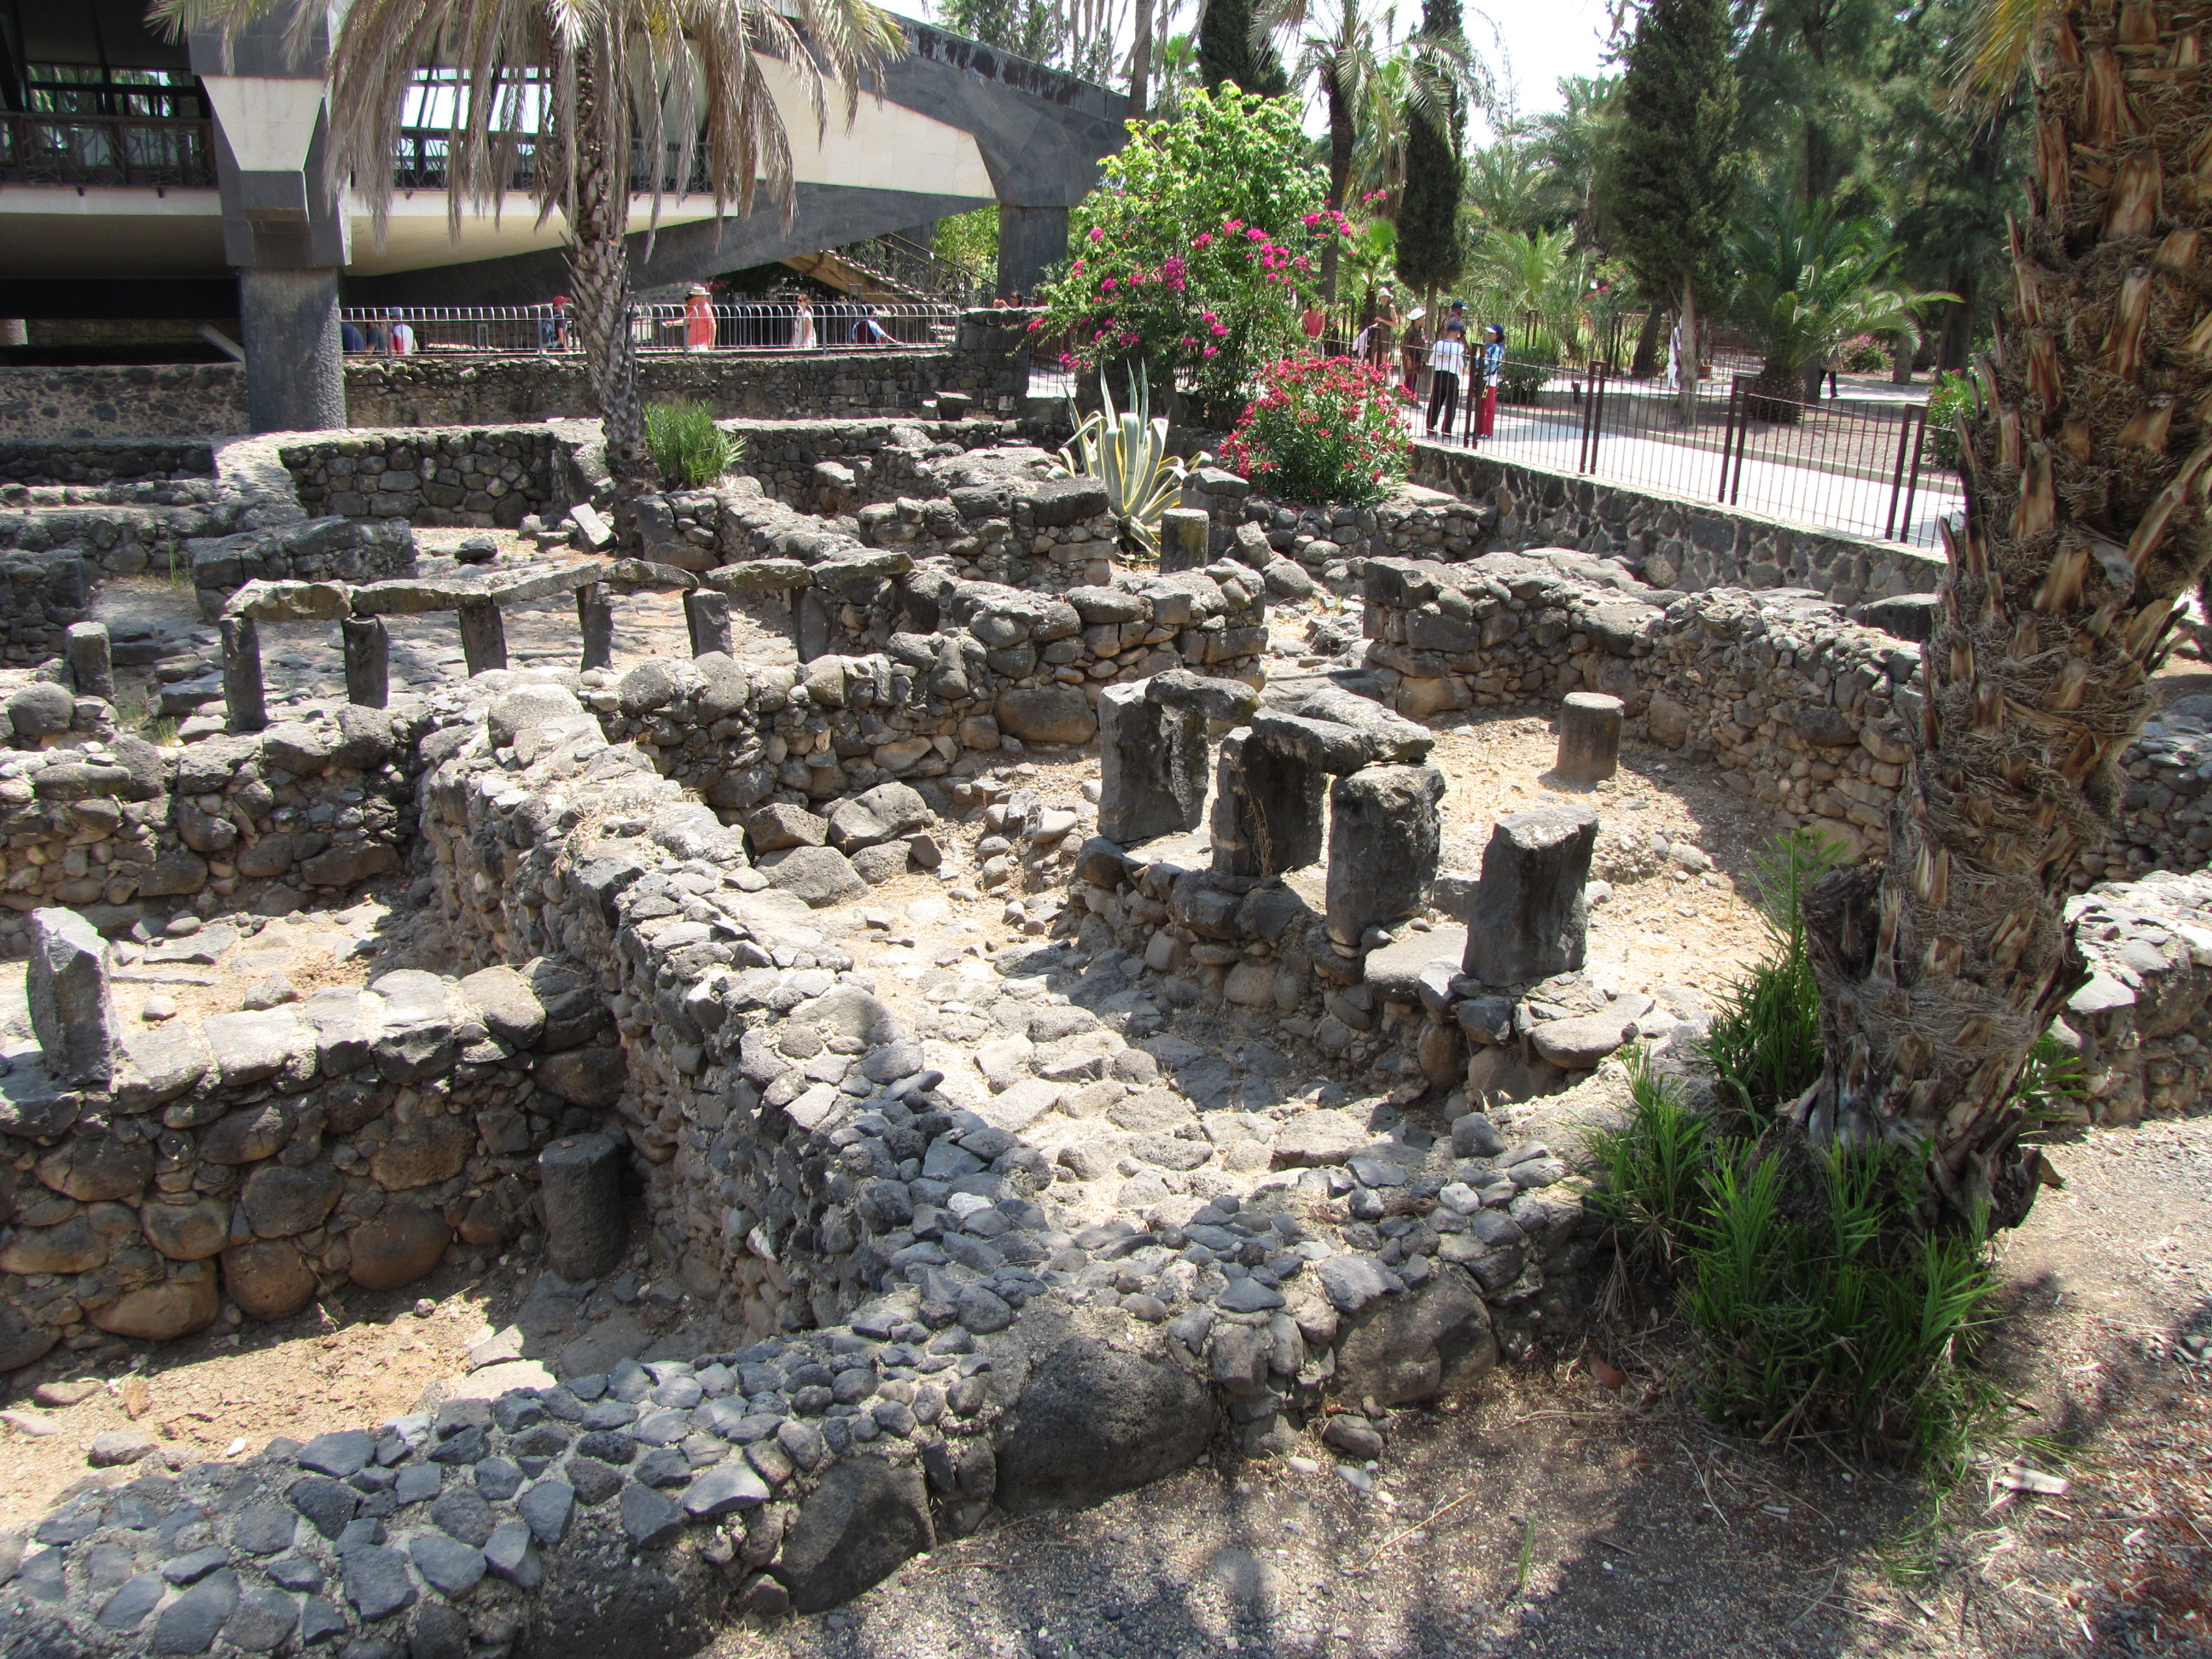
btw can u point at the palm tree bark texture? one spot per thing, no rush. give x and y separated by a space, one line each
2086 526
598 266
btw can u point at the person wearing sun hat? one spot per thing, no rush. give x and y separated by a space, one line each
1492 371
699 319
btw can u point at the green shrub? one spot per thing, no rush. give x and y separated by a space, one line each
1954 395
1527 368
1764 1045
1853 1324
688 448
1863 353
1323 430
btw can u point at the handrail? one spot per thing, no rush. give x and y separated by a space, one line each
114 151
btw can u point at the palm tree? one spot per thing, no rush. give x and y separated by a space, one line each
606 84
1356 71
2086 472
1807 282
1537 280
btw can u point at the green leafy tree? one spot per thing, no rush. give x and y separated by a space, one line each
1809 70
1339 50
1194 253
1431 251
1676 174
1229 50
1027 28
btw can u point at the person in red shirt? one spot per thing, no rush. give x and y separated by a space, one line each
698 318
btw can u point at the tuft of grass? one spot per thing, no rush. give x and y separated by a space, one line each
688 448
140 715
1765 1044
1653 1169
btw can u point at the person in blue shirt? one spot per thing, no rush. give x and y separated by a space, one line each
1493 371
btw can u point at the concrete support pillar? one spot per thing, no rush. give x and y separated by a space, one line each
367 661
706 614
294 361
595 620
483 635
242 692
14 331
1031 241
91 660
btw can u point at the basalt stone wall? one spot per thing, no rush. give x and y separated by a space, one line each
441 477
437 391
265 1157
1674 541
118 828
2143 1023
43 589
330 550
99 463
827 465
1803 709
180 400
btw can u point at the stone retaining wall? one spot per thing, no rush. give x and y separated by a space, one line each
1802 708
464 475
1674 541
120 829
173 400
103 461
2142 1026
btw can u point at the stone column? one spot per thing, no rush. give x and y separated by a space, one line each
1183 535
595 620
579 1189
367 661
91 660
242 693
1267 809
294 361
1384 832
484 635
72 1011
706 614
1152 765
1031 241
1531 920
1589 738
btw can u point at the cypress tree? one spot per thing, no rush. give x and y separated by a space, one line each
1675 172
1226 52
1429 254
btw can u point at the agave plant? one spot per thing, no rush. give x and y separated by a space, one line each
1127 451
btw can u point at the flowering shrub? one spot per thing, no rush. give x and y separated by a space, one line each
1323 430
1195 253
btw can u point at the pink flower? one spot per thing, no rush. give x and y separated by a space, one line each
1232 226
1213 351
1220 330
1203 239
1257 233
1097 235
1313 219
1107 287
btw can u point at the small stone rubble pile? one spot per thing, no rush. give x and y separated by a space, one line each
2142 1026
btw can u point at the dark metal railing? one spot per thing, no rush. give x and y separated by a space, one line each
109 150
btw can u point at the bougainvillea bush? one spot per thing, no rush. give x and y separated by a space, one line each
1323 430
1196 253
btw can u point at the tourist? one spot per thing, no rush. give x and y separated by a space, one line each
402 334
1411 349
1493 374
867 331
698 318
1447 362
802 325
350 337
1314 323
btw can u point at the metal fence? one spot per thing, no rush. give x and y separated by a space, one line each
1862 468
128 151
743 325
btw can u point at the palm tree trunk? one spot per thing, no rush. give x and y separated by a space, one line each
2086 525
1141 61
1341 136
599 268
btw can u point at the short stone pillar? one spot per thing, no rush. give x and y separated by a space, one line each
367 661
1531 920
242 694
579 1188
1266 809
72 1011
1184 532
1589 738
1152 765
706 614
484 635
91 660
595 620
1385 836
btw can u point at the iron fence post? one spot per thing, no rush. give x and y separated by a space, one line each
1728 439
1912 483
1597 410
1897 475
